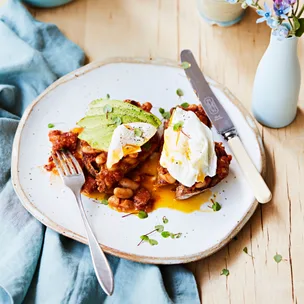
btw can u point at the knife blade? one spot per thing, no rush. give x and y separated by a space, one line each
223 124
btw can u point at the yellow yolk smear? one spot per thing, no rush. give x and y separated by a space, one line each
164 197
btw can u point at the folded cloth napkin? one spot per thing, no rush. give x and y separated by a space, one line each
37 265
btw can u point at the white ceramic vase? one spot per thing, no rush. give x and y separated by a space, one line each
277 84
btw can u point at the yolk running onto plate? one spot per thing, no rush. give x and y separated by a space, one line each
164 197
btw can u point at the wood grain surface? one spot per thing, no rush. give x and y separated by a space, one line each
162 28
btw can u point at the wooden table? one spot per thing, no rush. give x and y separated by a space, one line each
161 28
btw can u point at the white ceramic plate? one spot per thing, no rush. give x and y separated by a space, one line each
65 102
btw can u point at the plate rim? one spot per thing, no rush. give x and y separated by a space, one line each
32 209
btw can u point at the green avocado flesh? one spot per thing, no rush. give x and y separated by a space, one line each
99 126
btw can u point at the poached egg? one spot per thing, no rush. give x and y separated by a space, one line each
128 139
188 152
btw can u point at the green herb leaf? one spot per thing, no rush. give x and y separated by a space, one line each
153 242
142 214
178 235
159 228
107 109
216 206
165 234
296 22
138 132
225 272
166 115
165 220
185 65
147 146
50 125
245 249
277 258
185 105
117 121
179 92
178 126
300 30
172 235
104 202
108 96
144 237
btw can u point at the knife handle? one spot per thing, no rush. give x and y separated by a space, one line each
254 178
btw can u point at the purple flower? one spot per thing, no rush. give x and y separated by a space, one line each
281 32
281 9
266 14
291 2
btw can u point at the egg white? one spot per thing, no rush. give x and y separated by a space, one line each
188 153
125 140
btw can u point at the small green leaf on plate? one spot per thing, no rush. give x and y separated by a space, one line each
144 238
185 105
165 220
161 110
178 126
50 125
165 234
216 206
277 258
159 228
107 109
108 96
179 92
225 272
142 214
104 202
185 65
245 249
117 121
153 242
138 132
178 235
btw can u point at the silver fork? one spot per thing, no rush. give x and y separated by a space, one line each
73 178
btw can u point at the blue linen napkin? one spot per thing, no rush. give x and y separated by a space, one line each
37 265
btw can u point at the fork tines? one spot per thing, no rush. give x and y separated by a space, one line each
66 163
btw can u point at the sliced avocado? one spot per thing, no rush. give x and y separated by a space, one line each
122 109
104 120
99 126
98 137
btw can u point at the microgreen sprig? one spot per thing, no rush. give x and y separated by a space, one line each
225 272
159 229
245 250
164 114
179 92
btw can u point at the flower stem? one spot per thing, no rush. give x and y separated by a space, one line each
297 7
301 11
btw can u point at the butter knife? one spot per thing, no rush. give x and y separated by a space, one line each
223 124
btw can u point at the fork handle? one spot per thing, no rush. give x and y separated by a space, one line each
101 265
